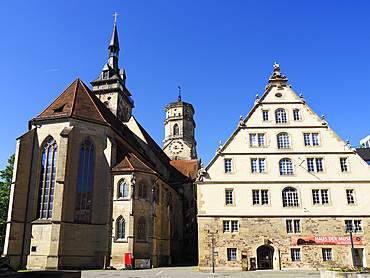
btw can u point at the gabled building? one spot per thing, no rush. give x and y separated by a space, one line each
284 191
91 185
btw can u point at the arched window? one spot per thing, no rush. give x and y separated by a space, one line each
47 179
121 228
176 129
84 182
280 116
283 141
286 167
142 190
290 197
141 228
122 189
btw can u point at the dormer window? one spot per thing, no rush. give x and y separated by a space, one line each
105 74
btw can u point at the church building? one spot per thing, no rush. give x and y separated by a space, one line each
283 192
91 185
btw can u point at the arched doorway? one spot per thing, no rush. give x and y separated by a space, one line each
264 257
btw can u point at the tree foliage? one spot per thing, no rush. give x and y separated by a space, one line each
5 184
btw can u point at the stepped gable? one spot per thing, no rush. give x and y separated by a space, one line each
188 168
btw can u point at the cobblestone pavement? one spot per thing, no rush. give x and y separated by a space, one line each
190 271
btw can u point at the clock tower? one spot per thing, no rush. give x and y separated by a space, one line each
179 142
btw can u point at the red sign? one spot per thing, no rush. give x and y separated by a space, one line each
128 258
329 240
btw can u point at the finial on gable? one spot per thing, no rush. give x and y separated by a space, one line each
276 78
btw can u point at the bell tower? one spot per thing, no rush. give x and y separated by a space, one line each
179 142
110 86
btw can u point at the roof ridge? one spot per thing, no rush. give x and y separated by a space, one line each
55 100
74 96
97 108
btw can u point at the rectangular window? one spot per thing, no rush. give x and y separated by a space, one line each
229 197
344 164
228 165
226 226
258 165
315 165
327 254
231 254
354 226
320 196
253 140
350 196
293 226
265 115
296 115
234 226
260 197
311 139
257 140
254 168
295 254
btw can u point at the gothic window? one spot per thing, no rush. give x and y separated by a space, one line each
280 116
122 189
283 141
141 228
121 226
286 167
290 197
47 179
84 182
142 190
176 129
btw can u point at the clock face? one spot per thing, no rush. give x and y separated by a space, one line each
176 147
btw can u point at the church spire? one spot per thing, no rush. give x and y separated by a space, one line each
114 47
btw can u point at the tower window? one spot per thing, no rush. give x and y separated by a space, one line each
105 74
176 129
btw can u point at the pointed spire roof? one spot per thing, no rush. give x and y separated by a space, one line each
114 38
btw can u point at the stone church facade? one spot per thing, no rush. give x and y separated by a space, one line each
91 185
284 191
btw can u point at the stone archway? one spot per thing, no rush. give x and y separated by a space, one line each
264 257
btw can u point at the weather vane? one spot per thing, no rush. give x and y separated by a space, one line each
179 93
115 17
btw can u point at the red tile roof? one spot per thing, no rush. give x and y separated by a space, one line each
187 167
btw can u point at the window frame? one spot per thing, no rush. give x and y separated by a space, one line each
290 197
315 164
228 165
355 226
229 200
297 115
350 200
318 196
295 254
344 167
281 114
327 254
120 228
232 254
257 140
283 141
258 165
266 115
293 226
47 185
89 187
311 139
258 198
286 167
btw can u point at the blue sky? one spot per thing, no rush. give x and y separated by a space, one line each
220 52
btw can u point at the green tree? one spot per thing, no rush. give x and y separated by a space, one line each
5 184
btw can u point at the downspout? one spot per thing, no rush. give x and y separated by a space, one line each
28 195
